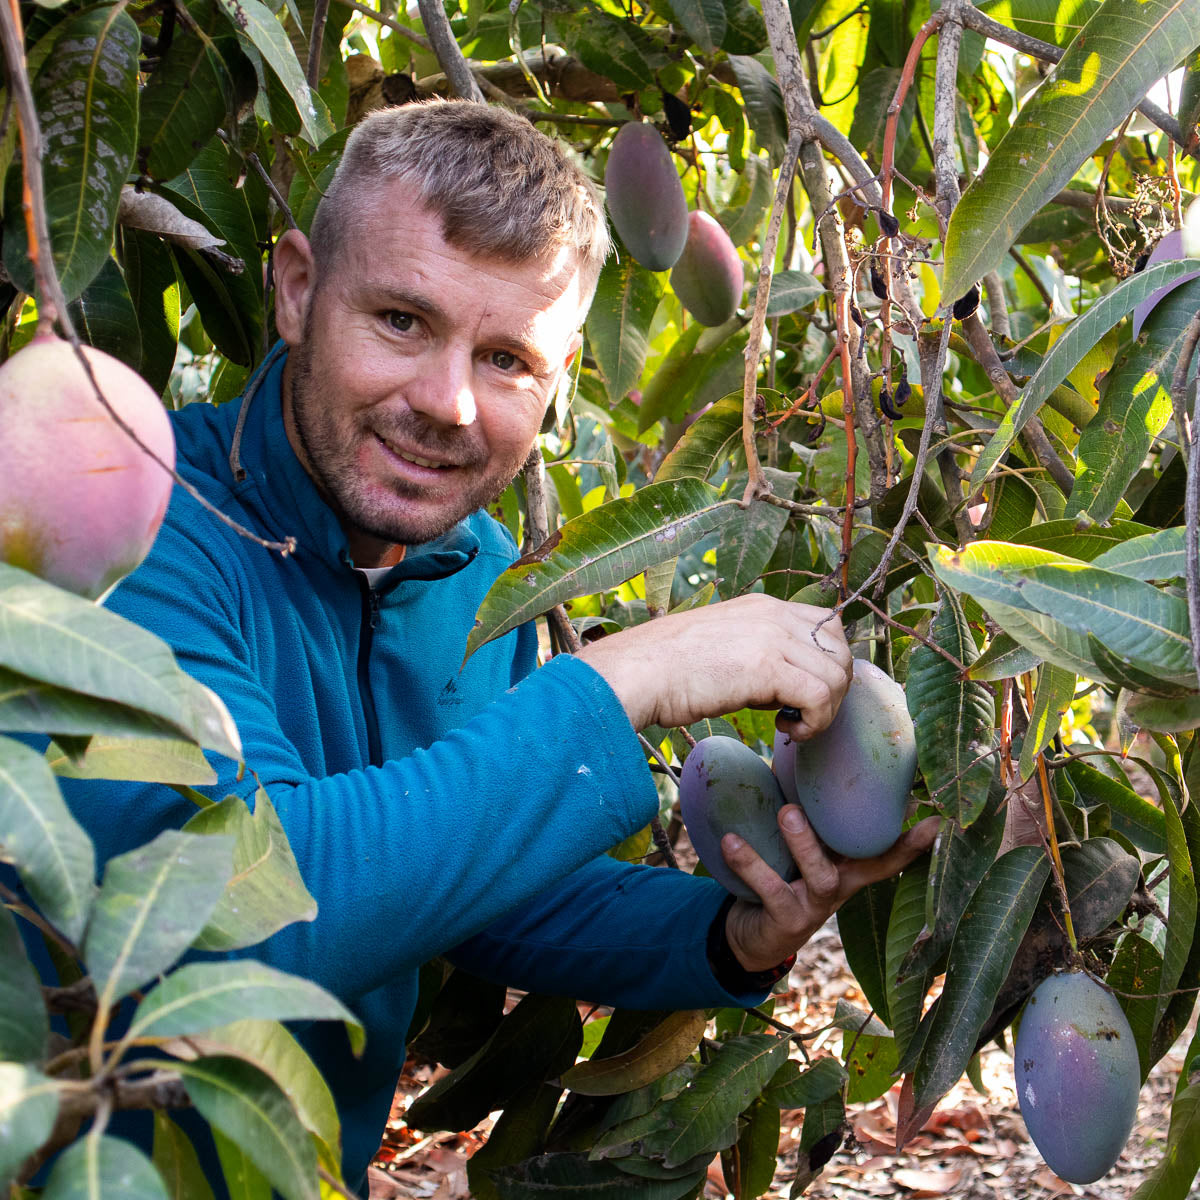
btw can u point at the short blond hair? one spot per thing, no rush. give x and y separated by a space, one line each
502 188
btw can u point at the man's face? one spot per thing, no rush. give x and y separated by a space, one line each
418 373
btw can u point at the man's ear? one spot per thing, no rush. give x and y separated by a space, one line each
295 282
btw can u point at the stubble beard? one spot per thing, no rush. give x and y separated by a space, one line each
332 466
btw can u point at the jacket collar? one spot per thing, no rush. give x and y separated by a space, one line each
263 464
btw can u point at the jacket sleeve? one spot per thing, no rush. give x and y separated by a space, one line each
613 933
410 858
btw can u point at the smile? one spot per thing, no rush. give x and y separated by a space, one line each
416 459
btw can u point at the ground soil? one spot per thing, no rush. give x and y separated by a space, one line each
974 1147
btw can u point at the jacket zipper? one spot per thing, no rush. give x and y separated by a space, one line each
370 622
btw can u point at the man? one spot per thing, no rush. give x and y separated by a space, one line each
435 807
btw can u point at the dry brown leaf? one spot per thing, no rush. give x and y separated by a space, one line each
156 214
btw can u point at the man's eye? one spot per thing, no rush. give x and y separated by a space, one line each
401 322
504 360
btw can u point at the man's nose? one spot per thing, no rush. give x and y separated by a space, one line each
445 392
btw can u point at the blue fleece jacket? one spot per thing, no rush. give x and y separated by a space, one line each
433 807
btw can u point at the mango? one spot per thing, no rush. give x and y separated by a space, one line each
725 787
1077 1076
645 198
80 502
708 277
853 779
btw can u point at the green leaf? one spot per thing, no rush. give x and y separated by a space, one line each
701 1119
152 903
793 1086
191 92
86 96
764 104
1158 555
249 1108
703 20
988 571
258 25
518 1133
1004 658
748 541
982 952
959 861
51 851
1134 976
870 1065
746 32
98 1166
154 291
1055 691
266 891
706 443
1125 47
619 50
1175 1017
791 291
906 992
271 1048
202 995
1133 817
24 1022
1080 336
742 222
572 1175
862 924
537 1040
1135 406
177 1162
953 717
1131 618
1174 715
758 1150
618 324
28 1110
147 760
31 706
104 316
1182 904
1172 1178
62 639
600 550
243 1180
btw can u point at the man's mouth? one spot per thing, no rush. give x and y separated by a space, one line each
418 460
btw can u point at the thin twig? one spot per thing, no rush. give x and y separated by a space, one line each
450 57
757 485
391 24
316 36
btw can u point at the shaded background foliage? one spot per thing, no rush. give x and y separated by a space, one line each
970 328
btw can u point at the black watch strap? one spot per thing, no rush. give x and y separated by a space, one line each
730 973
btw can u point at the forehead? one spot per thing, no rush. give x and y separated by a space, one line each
393 238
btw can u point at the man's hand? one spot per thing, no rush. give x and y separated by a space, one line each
763 935
752 652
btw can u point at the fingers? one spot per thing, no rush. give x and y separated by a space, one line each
911 845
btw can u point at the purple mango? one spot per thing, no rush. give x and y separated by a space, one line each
725 787
853 779
1077 1075
645 198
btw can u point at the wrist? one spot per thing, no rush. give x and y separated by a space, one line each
728 969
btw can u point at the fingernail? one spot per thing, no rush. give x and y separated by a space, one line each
793 819
733 841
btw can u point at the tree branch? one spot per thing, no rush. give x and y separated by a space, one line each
458 72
